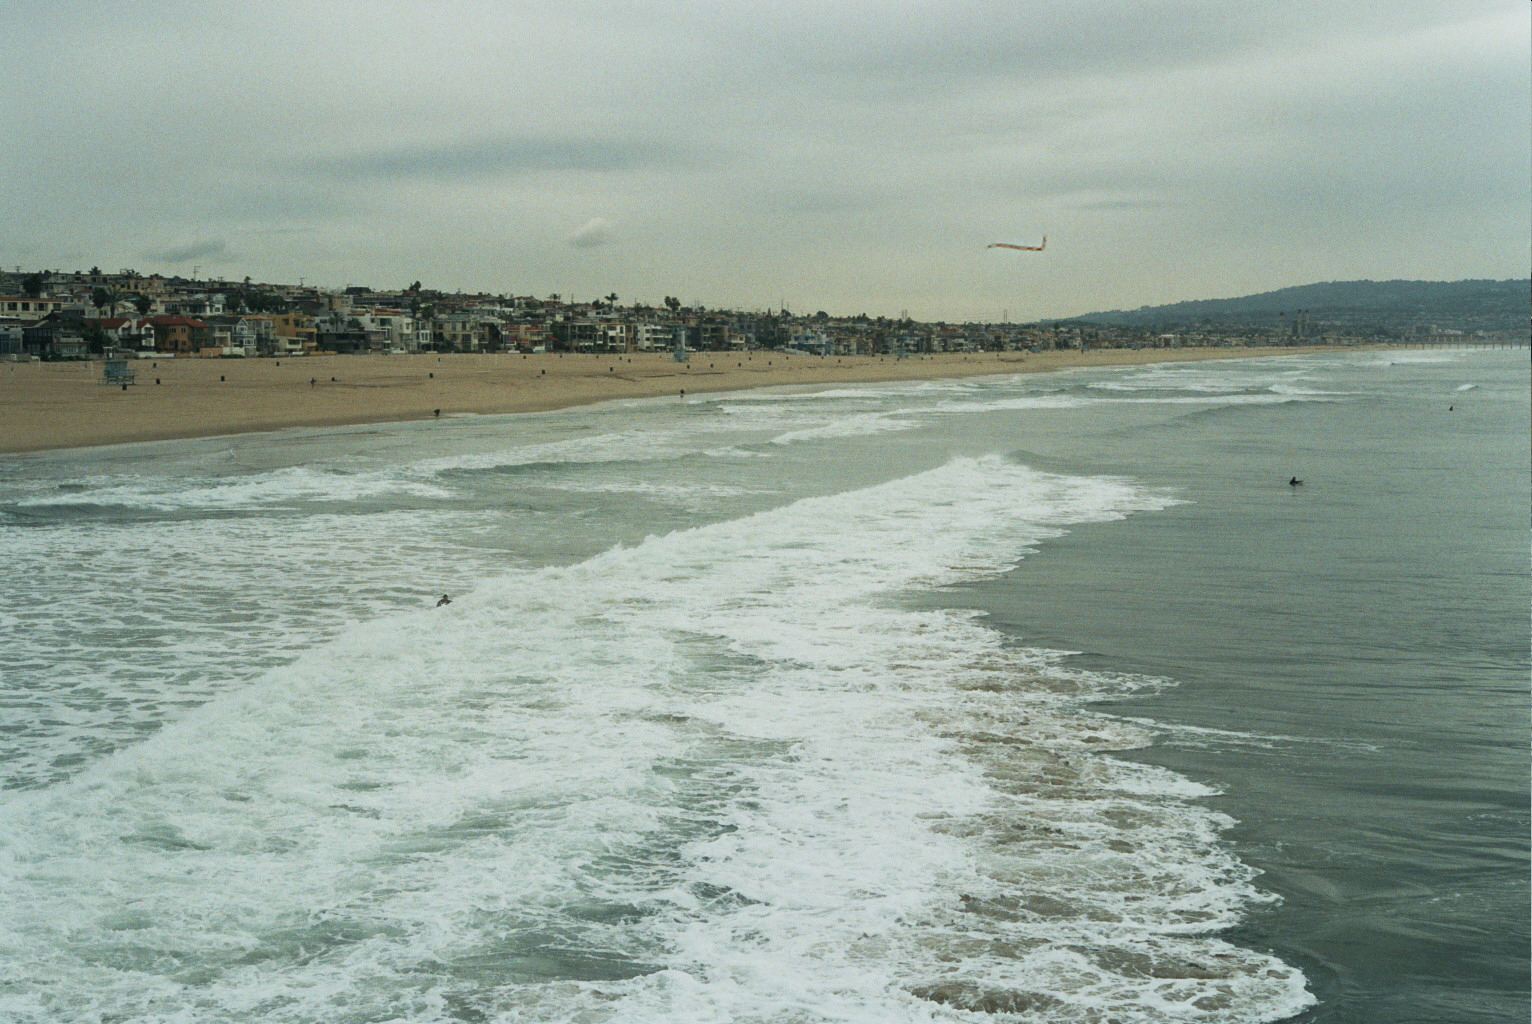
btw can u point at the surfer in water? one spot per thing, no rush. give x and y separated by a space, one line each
1295 482
445 600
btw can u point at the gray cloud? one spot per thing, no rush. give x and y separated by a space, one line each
277 203
1117 205
1038 45
592 233
502 156
195 251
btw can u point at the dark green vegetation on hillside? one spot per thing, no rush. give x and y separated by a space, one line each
1384 306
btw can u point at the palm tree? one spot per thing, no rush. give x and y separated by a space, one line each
105 298
611 300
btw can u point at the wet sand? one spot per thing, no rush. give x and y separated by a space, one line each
65 405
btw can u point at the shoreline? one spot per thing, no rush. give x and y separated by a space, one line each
51 406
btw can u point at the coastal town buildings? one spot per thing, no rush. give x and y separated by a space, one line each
25 307
83 314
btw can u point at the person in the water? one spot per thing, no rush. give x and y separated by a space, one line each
445 600
1295 482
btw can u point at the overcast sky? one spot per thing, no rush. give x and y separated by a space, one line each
851 156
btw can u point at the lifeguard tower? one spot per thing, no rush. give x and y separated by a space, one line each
116 371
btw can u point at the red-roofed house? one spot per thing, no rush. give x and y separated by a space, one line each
179 335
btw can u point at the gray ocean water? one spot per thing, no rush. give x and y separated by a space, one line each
1040 698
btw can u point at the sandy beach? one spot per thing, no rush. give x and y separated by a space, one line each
65 405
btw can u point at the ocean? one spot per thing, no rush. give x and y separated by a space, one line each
1041 698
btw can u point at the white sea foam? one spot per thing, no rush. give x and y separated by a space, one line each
697 498
619 446
1299 391
1217 399
734 452
855 425
752 416
1203 736
728 774
1414 358
244 490
1165 383
160 616
1213 378
647 487
774 397
1017 404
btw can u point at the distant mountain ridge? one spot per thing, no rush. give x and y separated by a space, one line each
1385 305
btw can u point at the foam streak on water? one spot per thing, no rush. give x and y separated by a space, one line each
725 774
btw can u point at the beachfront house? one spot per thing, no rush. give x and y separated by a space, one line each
255 331
713 335
391 331
179 335
123 333
577 334
810 342
458 332
56 336
292 333
526 337
654 336
337 332
424 333
618 336
235 335
743 335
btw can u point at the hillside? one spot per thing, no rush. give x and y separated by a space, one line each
1382 306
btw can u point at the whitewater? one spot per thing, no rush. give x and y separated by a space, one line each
693 741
